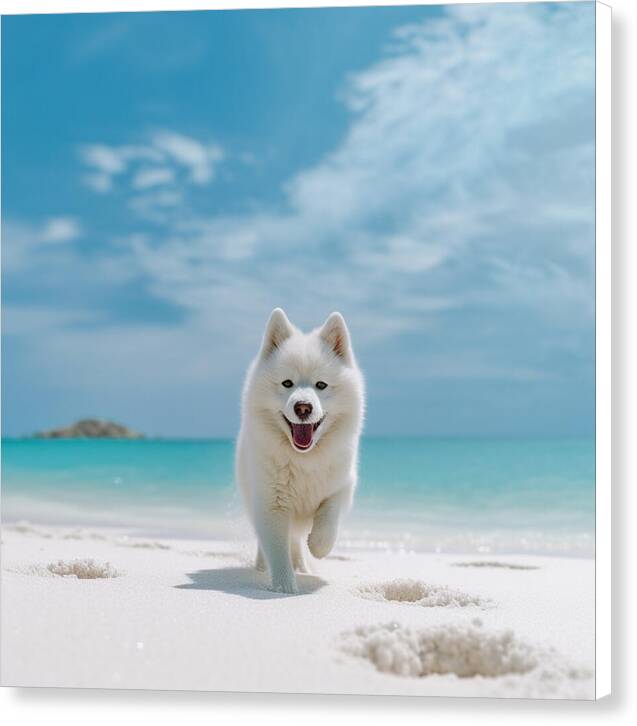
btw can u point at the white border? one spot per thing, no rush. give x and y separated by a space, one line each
603 388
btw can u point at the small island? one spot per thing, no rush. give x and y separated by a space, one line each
90 428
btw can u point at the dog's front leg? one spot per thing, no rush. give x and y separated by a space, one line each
325 528
273 531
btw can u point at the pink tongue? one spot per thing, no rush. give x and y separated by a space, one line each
302 434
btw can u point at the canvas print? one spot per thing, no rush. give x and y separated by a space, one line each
298 323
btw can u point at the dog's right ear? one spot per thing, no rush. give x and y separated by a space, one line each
278 329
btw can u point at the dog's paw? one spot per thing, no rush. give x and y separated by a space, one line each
285 584
321 540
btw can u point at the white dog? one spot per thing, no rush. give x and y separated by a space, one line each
297 451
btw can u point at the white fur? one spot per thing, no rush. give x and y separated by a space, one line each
288 492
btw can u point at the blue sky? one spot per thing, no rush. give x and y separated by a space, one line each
169 178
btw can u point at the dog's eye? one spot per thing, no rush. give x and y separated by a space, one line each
321 385
287 383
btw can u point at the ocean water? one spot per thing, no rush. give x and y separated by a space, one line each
422 494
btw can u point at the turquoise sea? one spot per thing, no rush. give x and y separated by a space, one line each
448 495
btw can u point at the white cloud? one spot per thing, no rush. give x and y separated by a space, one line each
155 205
36 255
399 253
36 320
199 159
100 183
105 159
146 178
472 141
60 229
24 243
166 159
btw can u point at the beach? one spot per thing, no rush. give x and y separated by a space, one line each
102 608
466 567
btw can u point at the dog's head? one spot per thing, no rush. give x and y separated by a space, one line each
308 383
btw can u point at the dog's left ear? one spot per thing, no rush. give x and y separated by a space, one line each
335 333
278 329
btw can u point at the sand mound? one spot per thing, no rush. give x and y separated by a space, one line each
79 533
82 569
142 544
418 593
26 528
466 651
503 565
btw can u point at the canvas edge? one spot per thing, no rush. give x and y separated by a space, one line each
603 341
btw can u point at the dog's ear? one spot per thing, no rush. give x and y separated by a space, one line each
276 331
336 335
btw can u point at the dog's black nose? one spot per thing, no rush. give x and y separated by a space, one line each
302 409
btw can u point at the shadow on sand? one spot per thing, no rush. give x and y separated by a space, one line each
246 582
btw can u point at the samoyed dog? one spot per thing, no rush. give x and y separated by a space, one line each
296 463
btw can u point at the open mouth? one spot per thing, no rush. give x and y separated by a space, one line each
303 433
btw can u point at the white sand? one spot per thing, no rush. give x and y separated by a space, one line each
99 609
